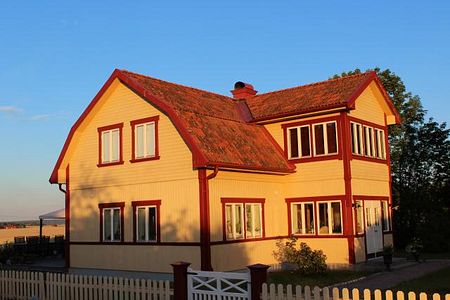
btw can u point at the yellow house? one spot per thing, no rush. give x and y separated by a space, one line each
155 172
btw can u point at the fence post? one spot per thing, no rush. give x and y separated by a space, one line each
258 276
180 280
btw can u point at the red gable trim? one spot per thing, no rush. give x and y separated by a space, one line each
199 159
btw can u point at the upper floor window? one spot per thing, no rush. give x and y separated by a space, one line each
146 221
367 141
145 139
312 140
110 144
111 222
243 218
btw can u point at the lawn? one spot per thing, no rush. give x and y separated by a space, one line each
437 282
330 277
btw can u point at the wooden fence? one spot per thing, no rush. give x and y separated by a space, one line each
52 286
289 292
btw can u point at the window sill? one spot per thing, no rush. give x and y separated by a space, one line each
136 160
315 158
101 165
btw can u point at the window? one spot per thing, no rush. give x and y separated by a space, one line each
110 144
303 218
359 218
145 139
367 141
385 211
243 218
111 222
146 220
330 219
324 140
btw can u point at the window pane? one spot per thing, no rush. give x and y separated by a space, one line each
139 141
107 224
309 218
377 143
306 146
105 146
336 217
141 224
115 145
257 220
152 223
354 141
229 221
318 136
359 139
371 141
359 217
296 218
366 141
331 138
386 224
238 221
323 218
116 224
249 221
382 145
150 141
293 139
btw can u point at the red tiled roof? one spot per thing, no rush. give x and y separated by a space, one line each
309 98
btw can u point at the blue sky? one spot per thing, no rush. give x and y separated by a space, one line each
55 56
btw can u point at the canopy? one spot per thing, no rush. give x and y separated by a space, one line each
59 214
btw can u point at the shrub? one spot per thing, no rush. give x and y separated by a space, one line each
308 261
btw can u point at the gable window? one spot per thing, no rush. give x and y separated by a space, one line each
243 218
111 222
110 145
303 218
146 216
302 144
145 139
330 217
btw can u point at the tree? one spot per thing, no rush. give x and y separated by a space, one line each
420 165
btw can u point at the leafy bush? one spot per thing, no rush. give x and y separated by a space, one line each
308 261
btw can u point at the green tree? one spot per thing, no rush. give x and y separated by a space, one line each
420 165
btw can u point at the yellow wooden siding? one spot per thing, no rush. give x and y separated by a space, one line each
133 257
179 209
370 106
360 249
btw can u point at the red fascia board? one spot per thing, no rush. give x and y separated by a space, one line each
352 99
253 168
319 111
389 102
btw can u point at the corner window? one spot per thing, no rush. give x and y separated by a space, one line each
111 222
367 141
303 218
357 139
110 144
145 139
330 217
146 221
243 218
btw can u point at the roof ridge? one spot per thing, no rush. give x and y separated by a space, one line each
317 83
176 84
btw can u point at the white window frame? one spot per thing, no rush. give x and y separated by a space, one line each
146 150
147 220
235 236
111 212
330 217
299 139
110 150
303 229
325 138
252 205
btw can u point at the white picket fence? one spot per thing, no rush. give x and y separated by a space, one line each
289 292
52 286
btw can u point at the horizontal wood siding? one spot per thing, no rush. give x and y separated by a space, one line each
370 105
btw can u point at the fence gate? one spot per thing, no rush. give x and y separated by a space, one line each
218 285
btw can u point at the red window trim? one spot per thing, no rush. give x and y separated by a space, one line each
243 201
110 127
120 205
133 139
382 199
156 203
310 123
374 126
316 199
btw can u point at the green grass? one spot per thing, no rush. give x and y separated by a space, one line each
321 280
436 282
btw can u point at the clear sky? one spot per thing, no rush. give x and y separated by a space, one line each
55 56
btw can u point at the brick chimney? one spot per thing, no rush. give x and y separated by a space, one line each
243 91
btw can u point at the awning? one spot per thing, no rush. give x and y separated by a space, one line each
59 214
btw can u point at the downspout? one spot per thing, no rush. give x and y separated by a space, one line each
61 189
205 230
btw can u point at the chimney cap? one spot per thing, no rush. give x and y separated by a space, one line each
243 90
240 85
